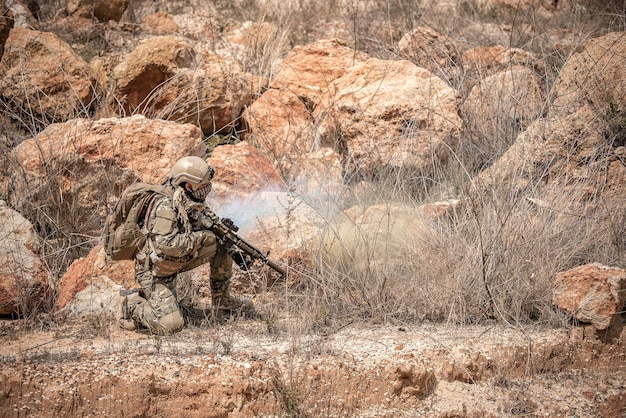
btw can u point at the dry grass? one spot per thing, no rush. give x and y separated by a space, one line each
493 260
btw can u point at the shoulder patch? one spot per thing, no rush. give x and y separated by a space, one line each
164 220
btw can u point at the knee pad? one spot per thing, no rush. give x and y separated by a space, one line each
165 308
172 322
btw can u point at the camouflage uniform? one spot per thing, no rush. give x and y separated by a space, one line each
172 247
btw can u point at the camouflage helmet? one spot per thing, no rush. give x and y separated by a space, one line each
195 172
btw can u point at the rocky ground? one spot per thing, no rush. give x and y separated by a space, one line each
245 368
553 74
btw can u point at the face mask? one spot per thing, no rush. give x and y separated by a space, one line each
201 192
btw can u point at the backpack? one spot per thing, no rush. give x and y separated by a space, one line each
123 235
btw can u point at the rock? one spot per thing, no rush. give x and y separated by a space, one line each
429 49
593 293
252 34
83 166
161 78
279 122
308 70
161 23
440 210
6 23
212 97
414 380
97 299
90 39
85 275
24 280
241 170
21 14
595 76
502 105
561 155
383 115
103 10
44 79
147 66
484 61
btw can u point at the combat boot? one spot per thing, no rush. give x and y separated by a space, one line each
124 318
225 304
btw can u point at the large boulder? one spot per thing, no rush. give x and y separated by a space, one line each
103 10
562 156
595 76
241 170
386 115
24 280
164 78
212 97
89 284
147 66
502 105
484 61
43 79
280 123
76 170
593 293
6 23
308 70
431 50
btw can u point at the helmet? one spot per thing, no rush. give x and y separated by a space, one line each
194 171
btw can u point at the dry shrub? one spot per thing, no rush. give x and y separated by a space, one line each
494 259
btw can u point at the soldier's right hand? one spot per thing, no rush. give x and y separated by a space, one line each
208 238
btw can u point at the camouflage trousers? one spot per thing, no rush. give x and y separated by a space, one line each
158 308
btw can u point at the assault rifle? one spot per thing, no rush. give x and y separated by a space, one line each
225 231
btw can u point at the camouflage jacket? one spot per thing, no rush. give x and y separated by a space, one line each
171 245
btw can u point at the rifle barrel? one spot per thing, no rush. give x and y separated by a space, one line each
276 267
250 249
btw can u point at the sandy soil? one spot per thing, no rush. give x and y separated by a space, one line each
244 368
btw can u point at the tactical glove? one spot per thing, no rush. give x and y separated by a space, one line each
208 238
244 261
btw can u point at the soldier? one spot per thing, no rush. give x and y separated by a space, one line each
173 246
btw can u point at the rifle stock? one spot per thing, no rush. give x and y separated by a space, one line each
225 230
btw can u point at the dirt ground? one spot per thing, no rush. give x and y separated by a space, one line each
243 368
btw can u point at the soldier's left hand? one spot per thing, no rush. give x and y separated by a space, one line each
244 261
